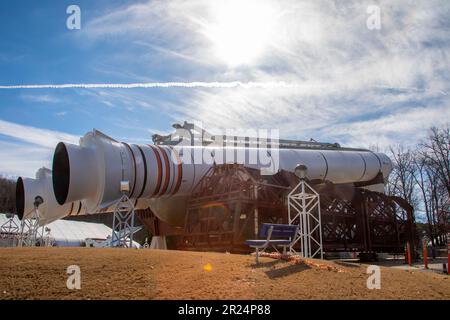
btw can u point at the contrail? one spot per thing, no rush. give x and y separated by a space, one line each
197 84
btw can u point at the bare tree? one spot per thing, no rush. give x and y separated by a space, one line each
437 151
7 195
421 177
402 181
439 197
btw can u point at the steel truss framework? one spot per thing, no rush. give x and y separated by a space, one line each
366 221
157 228
123 223
9 231
228 205
31 233
304 211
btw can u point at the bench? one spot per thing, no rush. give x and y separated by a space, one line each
274 235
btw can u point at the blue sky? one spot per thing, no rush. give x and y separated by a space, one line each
357 86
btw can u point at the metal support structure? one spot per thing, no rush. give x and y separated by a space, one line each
123 223
304 210
9 231
158 242
47 240
199 136
29 233
230 202
157 228
146 245
29 230
256 214
227 206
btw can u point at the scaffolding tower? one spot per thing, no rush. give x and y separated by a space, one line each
29 230
123 220
9 230
304 211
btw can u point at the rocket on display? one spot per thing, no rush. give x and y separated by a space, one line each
162 176
27 189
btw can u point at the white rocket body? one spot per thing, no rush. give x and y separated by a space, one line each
163 176
28 189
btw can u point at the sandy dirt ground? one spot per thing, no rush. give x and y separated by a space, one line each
40 273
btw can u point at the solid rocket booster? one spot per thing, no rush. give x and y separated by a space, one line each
161 174
28 189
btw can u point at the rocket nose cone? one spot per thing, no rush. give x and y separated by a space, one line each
61 173
20 198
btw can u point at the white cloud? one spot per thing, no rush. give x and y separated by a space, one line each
357 85
42 98
23 159
153 131
37 136
406 128
30 149
354 85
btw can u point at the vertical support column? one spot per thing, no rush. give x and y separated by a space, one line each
123 220
408 254
304 207
29 231
30 226
425 252
236 219
47 238
367 215
304 225
320 226
256 214
158 241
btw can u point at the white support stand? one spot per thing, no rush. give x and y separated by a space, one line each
47 239
304 209
146 245
9 231
158 242
123 223
29 231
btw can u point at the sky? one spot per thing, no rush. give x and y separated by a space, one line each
335 77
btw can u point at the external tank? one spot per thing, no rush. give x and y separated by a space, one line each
163 176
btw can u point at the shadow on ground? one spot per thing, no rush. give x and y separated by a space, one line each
347 264
268 264
286 271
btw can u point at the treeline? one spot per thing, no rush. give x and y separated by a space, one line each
7 195
421 175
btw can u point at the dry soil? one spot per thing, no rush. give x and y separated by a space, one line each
41 273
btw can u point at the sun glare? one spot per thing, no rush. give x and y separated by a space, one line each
241 30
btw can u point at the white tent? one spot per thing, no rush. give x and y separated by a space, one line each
66 233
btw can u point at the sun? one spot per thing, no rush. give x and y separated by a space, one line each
241 30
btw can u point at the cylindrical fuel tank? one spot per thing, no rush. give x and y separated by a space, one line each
94 169
28 189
